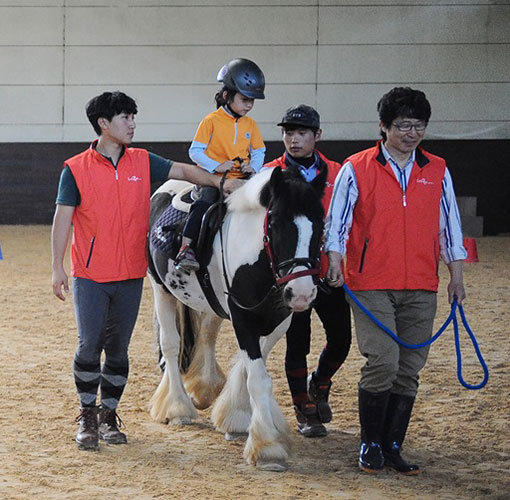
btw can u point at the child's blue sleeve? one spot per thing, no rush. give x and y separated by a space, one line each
257 158
197 154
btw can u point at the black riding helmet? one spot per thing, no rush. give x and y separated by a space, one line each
243 76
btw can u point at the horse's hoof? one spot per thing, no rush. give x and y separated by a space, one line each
236 436
178 421
272 466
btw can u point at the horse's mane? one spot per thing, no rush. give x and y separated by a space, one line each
294 197
247 197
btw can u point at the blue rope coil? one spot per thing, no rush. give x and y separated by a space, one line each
451 318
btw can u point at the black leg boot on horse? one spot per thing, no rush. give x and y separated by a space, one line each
398 415
372 415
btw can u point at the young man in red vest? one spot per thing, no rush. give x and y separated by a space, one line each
104 193
393 215
301 131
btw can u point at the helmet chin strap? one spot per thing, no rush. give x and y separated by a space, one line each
232 112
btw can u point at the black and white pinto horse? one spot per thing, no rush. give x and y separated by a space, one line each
263 267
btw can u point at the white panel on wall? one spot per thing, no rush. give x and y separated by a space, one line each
361 3
184 65
31 26
31 3
190 25
31 132
181 3
340 55
357 104
185 103
408 24
31 65
21 104
407 64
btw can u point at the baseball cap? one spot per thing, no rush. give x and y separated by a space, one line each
302 115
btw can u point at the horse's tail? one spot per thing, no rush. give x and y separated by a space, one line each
187 331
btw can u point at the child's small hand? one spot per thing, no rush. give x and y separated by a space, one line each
224 167
246 168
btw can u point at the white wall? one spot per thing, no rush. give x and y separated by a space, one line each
337 55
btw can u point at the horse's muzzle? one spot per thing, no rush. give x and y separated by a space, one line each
299 300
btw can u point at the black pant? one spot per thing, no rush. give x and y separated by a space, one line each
207 196
334 314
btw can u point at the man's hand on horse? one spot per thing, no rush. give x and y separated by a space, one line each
60 281
231 185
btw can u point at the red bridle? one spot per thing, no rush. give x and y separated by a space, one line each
281 280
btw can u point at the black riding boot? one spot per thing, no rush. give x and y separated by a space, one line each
319 394
395 427
372 414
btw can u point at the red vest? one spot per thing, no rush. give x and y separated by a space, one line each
395 245
112 220
333 169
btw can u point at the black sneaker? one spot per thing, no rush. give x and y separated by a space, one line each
308 422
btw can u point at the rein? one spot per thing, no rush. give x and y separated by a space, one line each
451 318
275 268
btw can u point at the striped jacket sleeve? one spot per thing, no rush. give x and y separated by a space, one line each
339 219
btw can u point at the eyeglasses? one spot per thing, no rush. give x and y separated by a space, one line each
407 126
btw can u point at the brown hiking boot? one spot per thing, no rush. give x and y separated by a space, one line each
308 422
186 260
87 436
319 394
109 423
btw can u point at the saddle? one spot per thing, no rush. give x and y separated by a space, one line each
166 236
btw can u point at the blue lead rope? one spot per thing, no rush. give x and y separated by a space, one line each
451 317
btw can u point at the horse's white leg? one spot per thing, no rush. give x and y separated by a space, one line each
269 341
170 403
269 440
231 413
204 378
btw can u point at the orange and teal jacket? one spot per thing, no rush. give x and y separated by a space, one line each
221 137
112 220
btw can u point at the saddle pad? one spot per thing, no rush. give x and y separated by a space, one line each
165 232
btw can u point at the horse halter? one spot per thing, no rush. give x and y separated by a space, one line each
312 269
277 268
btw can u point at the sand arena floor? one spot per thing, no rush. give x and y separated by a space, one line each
461 438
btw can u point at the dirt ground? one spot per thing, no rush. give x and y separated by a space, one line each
461 438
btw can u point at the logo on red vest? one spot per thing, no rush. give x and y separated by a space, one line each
134 178
425 182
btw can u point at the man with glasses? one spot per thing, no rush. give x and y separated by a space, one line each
393 215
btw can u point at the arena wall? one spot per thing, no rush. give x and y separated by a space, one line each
337 55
